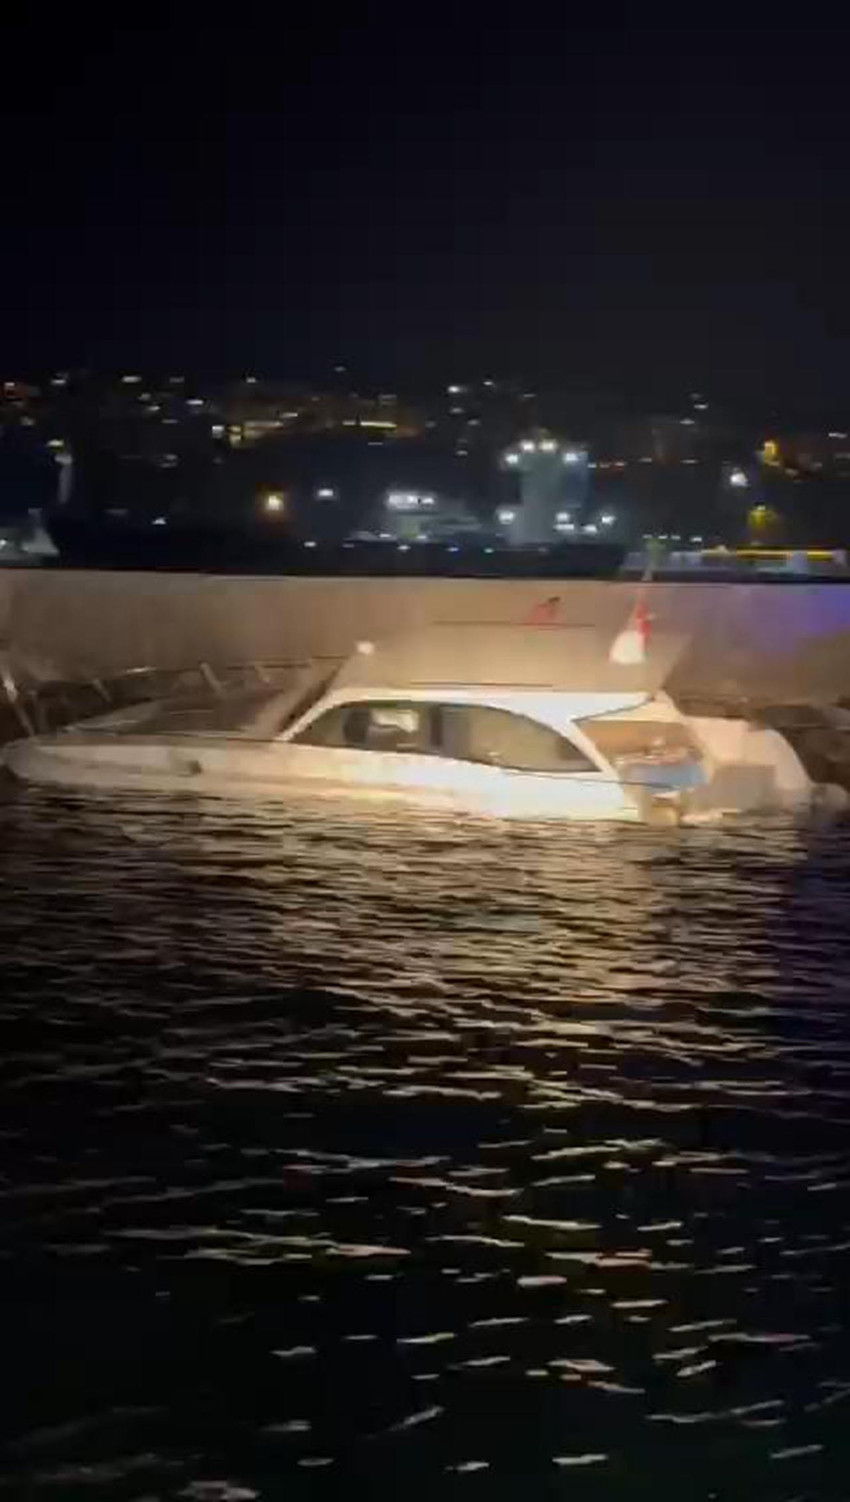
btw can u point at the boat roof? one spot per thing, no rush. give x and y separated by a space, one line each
564 659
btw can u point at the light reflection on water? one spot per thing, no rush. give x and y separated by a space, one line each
348 1150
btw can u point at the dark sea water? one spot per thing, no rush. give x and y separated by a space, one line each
364 1155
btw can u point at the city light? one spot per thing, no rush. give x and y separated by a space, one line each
505 515
607 519
512 458
158 521
571 457
454 390
527 446
275 502
326 493
548 446
562 516
565 526
131 380
591 528
408 500
738 478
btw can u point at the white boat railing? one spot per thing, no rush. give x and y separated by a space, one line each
38 708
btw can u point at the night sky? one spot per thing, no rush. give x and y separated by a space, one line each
636 211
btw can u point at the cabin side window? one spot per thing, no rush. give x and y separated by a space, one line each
499 738
459 732
372 726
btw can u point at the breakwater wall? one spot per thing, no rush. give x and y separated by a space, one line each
776 640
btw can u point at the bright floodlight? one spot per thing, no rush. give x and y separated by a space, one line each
274 501
739 479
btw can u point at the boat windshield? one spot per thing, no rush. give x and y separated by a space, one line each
625 743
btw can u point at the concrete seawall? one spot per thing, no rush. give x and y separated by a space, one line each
784 641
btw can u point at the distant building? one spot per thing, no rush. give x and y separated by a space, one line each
553 482
253 411
809 453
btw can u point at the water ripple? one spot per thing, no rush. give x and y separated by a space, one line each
303 1110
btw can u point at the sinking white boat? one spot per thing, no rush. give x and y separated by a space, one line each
507 720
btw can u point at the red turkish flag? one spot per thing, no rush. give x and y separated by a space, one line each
630 646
